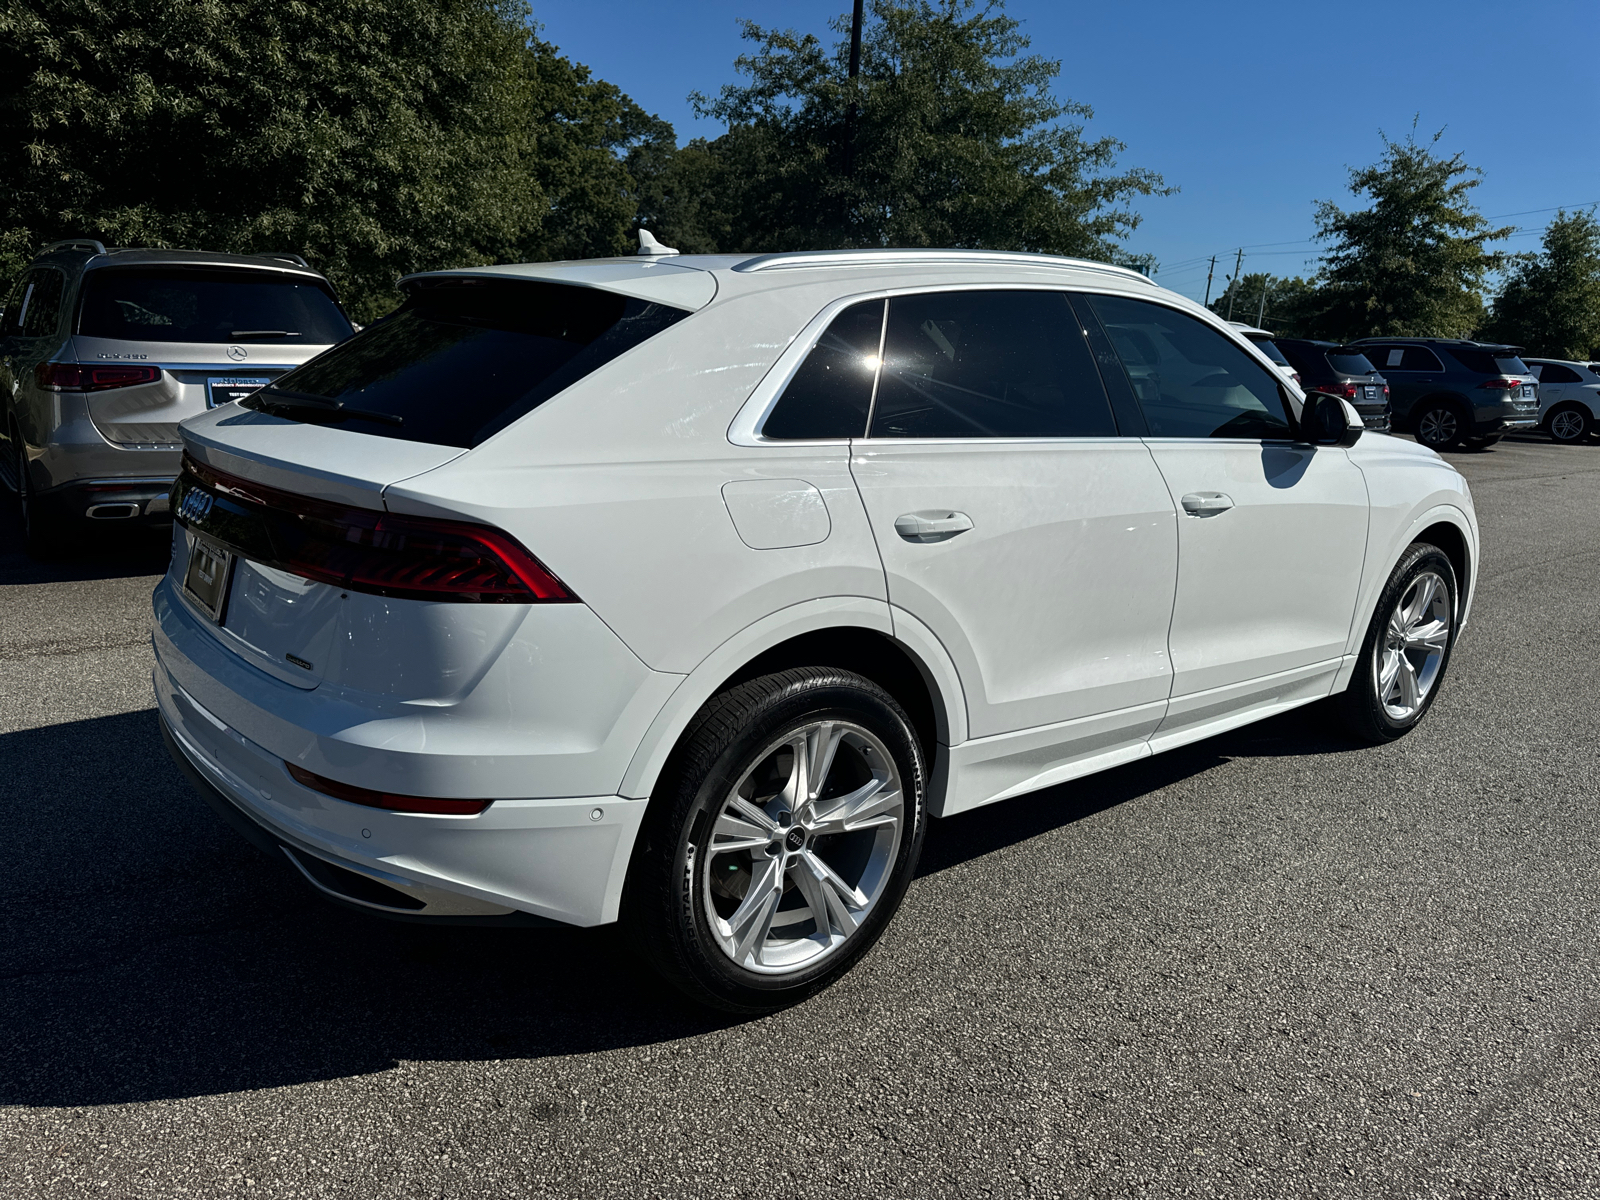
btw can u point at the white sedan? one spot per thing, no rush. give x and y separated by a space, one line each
685 590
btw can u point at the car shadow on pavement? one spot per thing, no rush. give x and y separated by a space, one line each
95 551
146 952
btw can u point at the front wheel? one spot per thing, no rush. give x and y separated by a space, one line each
781 841
1407 648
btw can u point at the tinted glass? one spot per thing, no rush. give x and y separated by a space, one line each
17 303
830 393
1407 358
185 304
1486 362
462 360
1191 380
1349 363
1556 373
44 308
988 364
1266 346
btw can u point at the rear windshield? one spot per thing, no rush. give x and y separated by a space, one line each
463 359
1486 362
1266 346
1347 362
189 304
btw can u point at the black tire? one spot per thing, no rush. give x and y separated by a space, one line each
1574 427
1441 424
674 903
1362 705
43 532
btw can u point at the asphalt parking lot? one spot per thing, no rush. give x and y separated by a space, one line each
1268 964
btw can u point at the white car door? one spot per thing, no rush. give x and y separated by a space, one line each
1013 522
1271 534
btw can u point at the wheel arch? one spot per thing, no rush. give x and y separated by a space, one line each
1453 542
1455 399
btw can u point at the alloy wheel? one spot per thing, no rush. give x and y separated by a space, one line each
802 847
1438 427
1568 425
1414 643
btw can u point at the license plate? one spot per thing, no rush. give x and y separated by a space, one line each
206 580
225 389
1527 391
1370 393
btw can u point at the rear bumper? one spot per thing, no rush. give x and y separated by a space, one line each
142 499
563 860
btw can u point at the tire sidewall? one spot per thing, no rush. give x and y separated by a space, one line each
684 945
1462 424
1368 709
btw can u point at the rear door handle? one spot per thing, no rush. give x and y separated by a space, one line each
933 525
1206 504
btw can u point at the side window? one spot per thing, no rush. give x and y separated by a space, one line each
988 364
44 308
20 302
1556 373
831 392
1191 380
1409 358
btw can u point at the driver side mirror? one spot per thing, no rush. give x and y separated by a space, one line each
1326 420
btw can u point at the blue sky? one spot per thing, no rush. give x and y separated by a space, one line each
1253 110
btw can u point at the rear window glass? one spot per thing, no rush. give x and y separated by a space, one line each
188 304
1485 362
1267 347
1347 363
462 360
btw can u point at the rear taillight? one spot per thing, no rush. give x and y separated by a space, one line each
1343 388
1501 385
1295 375
389 800
92 377
414 558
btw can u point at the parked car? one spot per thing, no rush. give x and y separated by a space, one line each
1449 392
104 351
1569 398
685 590
1264 342
1343 371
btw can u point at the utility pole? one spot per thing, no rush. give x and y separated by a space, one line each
855 69
1261 312
1233 284
1209 274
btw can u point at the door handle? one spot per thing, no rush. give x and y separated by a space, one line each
1206 504
934 525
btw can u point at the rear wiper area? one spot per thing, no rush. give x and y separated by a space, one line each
314 408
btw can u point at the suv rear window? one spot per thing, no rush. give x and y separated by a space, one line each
1268 347
1486 362
204 304
464 358
1347 362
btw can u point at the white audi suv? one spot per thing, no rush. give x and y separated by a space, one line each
684 591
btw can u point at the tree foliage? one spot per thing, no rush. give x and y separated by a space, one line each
1292 304
1550 302
376 137
1414 263
950 136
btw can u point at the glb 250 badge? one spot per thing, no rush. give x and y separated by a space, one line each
196 505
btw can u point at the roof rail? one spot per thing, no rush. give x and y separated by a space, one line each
75 244
286 257
908 257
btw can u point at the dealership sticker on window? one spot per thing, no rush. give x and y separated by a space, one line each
225 389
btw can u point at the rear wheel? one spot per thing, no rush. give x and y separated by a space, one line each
781 842
42 530
1440 425
1407 648
1569 424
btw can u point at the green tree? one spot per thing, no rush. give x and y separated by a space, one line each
950 136
1292 304
376 137
1414 263
1551 300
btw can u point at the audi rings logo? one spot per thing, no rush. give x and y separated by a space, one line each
196 505
238 353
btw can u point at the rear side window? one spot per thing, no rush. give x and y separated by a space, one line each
1267 347
1409 358
44 305
988 364
1191 381
189 304
1486 362
462 359
831 392
1347 363
1556 373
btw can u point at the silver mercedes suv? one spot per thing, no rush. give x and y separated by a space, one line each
103 352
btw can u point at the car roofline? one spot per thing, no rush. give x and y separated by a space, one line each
856 259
